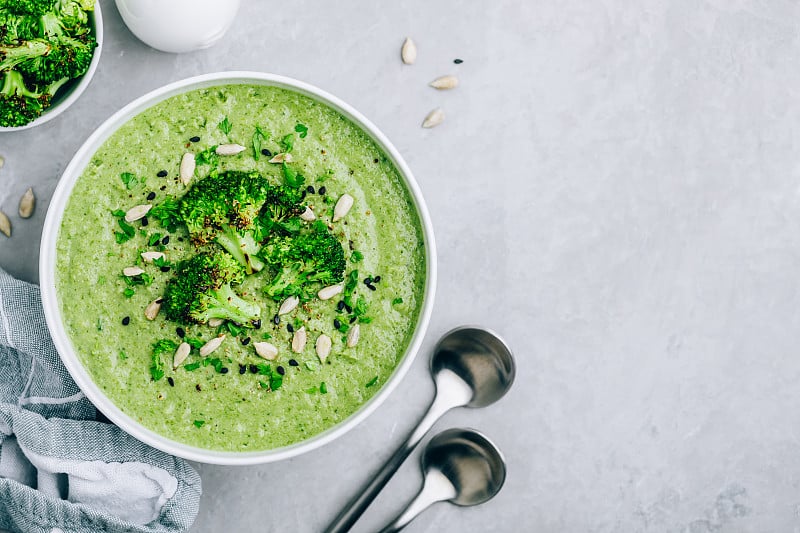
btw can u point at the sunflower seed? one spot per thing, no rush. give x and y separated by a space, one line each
353 335
342 207
308 215
5 224
323 347
329 292
132 271
408 52
211 345
2 161
27 203
266 350
445 82
187 168
282 158
151 311
181 354
149 257
299 340
137 212
433 119
230 149
215 322
288 305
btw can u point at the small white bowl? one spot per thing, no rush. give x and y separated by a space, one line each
178 26
69 97
47 270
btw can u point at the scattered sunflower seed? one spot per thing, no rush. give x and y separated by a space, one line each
308 215
445 82
299 340
323 347
137 212
288 305
215 322
433 119
27 203
266 350
5 224
230 149
188 165
353 335
211 345
329 292
132 271
149 257
342 207
408 53
282 158
181 354
151 311
2 161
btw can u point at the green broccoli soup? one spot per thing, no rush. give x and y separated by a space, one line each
240 267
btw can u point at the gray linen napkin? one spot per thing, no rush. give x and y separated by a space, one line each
60 469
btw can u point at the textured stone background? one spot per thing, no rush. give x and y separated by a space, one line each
615 190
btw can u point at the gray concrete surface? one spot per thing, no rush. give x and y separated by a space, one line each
616 189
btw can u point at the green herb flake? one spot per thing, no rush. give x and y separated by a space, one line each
372 382
127 228
287 143
191 367
302 130
225 126
397 301
128 179
118 213
99 325
311 390
350 286
121 237
356 256
122 355
263 384
194 343
128 292
153 239
323 388
206 157
199 423
293 178
258 136
361 307
311 365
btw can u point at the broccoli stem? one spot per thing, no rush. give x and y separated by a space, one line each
14 84
226 304
14 55
242 247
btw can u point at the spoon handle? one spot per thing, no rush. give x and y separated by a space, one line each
356 507
436 488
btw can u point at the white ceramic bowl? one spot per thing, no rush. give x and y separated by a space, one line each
66 99
47 274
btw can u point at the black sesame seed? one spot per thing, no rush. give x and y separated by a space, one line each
257 323
276 320
164 269
293 362
126 321
195 139
310 189
372 287
223 370
180 331
376 279
458 61
180 239
198 387
280 370
162 174
151 196
367 280
340 305
348 308
171 381
353 319
322 190
163 188
156 242
375 160
336 323
245 341
165 240
242 369
253 369
266 152
145 222
290 328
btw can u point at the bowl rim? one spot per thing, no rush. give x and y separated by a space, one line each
47 263
76 91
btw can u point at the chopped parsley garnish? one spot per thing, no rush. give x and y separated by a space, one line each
350 286
128 292
194 343
208 157
372 382
287 143
225 126
199 423
154 239
128 179
323 388
275 379
167 214
397 301
293 178
311 390
157 364
191 367
356 256
302 130
232 328
127 233
122 355
258 136
161 262
118 213
361 307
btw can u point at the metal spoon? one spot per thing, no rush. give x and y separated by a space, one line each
472 367
461 466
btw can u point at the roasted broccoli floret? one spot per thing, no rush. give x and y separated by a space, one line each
18 104
297 261
46 61
28 7
236 210
201 290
